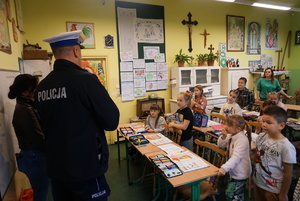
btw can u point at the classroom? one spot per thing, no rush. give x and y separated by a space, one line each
244 39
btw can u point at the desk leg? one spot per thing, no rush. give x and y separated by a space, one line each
195 186
158 187
127 162
118 141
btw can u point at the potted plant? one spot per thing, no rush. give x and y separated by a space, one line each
181 58
201 58
211 57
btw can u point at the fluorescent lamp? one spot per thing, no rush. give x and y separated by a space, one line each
271 6
226 0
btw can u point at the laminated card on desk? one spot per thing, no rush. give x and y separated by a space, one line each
186 161
157 139
171 148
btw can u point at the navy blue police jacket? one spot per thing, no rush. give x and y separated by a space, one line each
75 109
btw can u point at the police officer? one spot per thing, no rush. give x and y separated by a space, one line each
75 109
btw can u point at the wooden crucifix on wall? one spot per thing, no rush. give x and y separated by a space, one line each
205 34
211 48
190 23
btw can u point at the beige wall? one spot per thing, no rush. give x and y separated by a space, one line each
45 18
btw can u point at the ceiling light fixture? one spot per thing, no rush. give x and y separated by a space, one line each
271 6
226 0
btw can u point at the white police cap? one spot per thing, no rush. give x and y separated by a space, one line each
66 39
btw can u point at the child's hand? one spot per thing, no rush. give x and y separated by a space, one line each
171 124
221 172
224 134
150 130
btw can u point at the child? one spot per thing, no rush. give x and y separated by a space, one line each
199 101
246 98
273 96
231 107
186 119
154 122
263 107
275 156
238 147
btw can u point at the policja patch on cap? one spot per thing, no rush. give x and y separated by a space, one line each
66 39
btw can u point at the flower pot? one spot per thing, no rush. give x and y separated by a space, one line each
210 62
201 62
180 63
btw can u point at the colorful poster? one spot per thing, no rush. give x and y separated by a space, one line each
271 34
253 40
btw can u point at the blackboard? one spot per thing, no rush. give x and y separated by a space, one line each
8 140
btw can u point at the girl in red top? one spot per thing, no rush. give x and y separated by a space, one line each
199 101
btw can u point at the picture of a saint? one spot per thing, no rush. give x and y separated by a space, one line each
253 40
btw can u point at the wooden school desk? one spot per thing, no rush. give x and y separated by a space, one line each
192 178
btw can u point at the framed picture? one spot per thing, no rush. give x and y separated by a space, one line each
297 38
87 30
5 44
235 33
19 16
97 66
255 65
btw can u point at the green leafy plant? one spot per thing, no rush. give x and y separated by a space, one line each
202 57
212 56
181 57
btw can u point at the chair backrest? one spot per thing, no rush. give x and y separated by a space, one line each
175 135
255 126
210 152
217 117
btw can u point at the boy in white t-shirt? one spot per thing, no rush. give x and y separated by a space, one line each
275 156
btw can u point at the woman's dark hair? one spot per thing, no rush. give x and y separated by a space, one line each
22 83
161 112
272 75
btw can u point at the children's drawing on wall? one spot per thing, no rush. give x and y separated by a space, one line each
139 92
149 30
253 41
271 37
150 86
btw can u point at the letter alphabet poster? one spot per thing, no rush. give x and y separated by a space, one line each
141 37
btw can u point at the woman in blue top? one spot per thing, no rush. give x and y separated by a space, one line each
268 84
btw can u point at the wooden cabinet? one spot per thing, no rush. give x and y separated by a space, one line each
230 78
143 106
186 78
